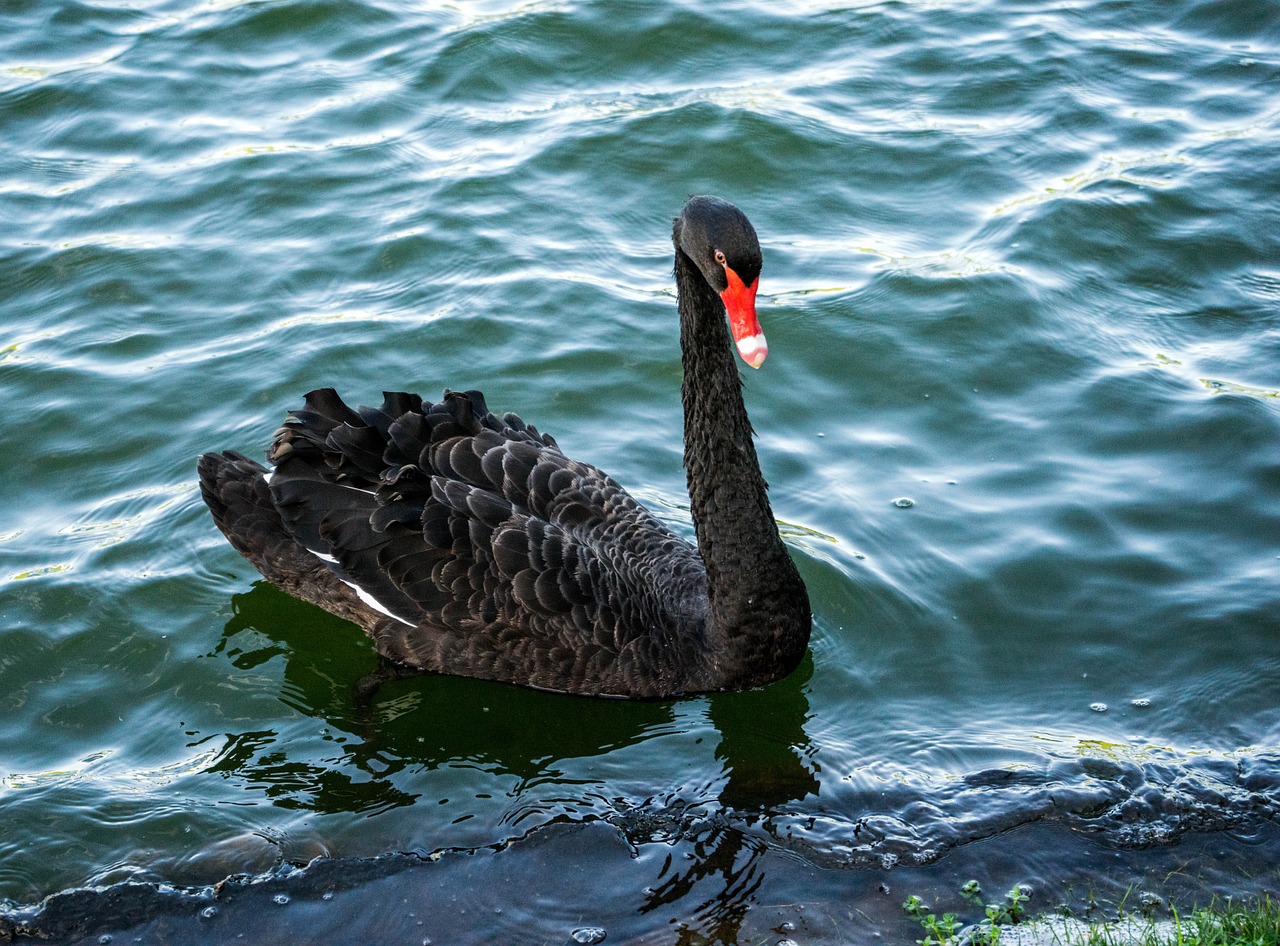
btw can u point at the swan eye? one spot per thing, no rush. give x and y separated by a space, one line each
720 257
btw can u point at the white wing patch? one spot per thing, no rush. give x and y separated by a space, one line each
363 595
373 602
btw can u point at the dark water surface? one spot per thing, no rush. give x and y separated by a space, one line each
1021 422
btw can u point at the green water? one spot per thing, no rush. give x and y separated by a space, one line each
1020 419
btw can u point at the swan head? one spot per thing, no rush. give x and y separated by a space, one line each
721 242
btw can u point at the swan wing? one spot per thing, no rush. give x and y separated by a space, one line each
478 533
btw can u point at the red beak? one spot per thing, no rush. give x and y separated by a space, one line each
740 303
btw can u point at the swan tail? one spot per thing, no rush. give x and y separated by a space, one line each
237 492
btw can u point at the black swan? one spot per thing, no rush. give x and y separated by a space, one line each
467 543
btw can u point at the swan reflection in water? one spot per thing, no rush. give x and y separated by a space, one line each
702 840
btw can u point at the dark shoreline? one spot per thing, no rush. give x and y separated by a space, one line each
719 881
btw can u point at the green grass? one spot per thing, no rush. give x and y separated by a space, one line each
1231 923
1253 922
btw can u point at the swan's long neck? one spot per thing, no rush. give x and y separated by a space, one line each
754 589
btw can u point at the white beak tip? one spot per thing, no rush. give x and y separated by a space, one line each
753 349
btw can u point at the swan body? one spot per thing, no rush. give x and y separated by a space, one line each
468 543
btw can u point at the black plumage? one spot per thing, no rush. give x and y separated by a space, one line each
468 543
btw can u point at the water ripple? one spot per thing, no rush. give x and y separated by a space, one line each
1019 271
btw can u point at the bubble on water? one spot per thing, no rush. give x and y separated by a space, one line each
1098 707
280 898
588 935
902 502
327 895
1141 702
787 927
792 942
209 912
104 938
